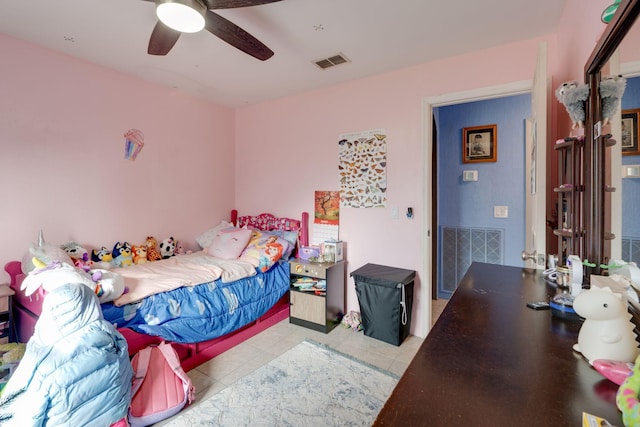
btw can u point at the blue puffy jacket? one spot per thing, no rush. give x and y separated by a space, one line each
76 369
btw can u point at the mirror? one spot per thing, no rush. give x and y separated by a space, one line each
627 247
599 207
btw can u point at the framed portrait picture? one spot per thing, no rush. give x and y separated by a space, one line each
480 144
629 134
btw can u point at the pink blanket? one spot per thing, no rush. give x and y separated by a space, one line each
151 278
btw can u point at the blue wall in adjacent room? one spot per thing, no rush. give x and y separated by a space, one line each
501 183
631 187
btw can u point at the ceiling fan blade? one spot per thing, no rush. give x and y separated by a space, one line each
231 4
162 39
236 36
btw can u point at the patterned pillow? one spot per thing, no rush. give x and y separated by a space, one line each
265 249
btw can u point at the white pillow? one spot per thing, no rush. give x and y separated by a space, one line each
229 243
206 239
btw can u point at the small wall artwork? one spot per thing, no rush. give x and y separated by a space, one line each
134 141
326 221
362 168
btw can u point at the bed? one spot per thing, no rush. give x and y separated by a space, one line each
200 320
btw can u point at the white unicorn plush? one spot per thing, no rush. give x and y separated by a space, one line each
607 332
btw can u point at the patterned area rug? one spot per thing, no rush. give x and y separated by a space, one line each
309 385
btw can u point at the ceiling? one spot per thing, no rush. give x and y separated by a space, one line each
375 35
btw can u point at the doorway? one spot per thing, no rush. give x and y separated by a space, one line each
479 200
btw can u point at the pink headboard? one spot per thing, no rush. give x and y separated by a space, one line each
266 221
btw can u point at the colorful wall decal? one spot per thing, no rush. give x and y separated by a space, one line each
134 141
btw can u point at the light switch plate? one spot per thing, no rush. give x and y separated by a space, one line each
469 175
500 211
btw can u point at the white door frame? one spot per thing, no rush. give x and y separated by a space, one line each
428 104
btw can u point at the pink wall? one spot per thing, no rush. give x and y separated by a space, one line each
62 166
62 121
300 134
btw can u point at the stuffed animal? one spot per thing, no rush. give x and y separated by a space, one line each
47 253
573 96
181 249
78 254
139 254
53 274
607 332
105 284
152 249
611 91
122 254
102 258
627 397
109 285
167 247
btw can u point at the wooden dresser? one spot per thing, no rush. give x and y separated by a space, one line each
491 361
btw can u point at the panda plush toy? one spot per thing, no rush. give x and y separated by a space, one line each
167 247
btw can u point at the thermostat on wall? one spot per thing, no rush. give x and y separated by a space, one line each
469 175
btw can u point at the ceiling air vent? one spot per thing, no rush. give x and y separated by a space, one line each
332 61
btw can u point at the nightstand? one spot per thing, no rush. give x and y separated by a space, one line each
6 314
321 311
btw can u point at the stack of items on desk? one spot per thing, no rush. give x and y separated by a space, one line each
309 284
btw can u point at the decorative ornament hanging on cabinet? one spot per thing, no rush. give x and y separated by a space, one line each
609 11
134 141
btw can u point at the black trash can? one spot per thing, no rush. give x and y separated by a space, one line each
385 295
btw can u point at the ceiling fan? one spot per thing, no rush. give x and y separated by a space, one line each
164 37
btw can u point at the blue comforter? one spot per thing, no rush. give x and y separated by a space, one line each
203 312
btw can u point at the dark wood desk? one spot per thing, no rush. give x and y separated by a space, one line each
491 361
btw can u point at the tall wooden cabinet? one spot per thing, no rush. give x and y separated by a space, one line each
569 192
572 222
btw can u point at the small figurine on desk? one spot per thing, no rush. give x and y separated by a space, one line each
607 332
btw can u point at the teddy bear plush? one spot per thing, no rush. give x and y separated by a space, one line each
122 254
139 254
152 249
573 96
167 247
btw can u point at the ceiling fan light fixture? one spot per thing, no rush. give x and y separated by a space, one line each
186 16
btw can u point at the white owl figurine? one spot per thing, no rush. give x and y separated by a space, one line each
573 96
611 91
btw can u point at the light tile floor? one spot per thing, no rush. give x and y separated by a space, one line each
225 369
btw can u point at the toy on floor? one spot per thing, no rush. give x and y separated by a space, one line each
122 254
152 249
573 96
352 320
607 332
